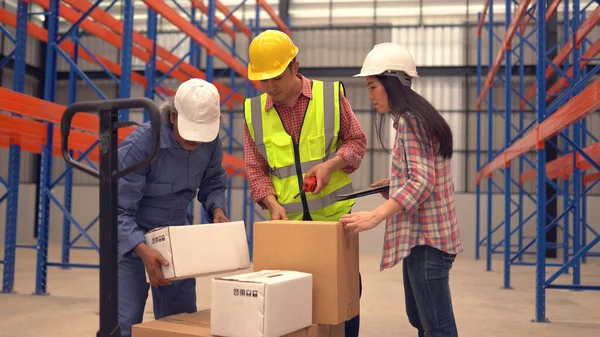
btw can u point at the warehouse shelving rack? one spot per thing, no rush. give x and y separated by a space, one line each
560 110
87 17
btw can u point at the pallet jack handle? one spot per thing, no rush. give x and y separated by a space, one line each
108 174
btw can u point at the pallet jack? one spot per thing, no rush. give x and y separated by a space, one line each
108 175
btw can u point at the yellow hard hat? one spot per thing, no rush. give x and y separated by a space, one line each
269 54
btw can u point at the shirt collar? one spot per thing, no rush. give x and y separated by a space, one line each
306 91
167 139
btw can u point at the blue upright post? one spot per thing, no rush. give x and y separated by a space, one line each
20 46
14 160
194 46
150 70
577 181
490 98
46 167
194 61
126 58
584 133
566 202
478 154
230 128
521 126
68 185
507 142
210 23
540 298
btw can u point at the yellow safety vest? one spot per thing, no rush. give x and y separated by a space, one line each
289 162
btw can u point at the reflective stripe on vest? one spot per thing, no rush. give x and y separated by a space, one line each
320 130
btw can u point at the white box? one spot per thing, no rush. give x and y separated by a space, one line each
199 250
268 303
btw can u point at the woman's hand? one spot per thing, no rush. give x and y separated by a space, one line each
383 182
360 221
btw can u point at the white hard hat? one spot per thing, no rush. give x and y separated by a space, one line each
388 59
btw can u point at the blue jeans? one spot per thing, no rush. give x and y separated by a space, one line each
179 297
427 292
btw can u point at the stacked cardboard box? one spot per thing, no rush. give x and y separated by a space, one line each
305 282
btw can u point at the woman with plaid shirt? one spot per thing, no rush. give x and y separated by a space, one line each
421 223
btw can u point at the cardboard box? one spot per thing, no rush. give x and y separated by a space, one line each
322 249
268 303
181 325
198 325
191 250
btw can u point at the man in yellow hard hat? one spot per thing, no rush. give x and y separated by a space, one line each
298 128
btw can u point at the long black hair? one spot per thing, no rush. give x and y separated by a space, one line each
431 129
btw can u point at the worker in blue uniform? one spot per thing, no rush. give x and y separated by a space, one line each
188 165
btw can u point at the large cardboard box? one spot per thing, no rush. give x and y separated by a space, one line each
268 303
322 249
191 250
198 325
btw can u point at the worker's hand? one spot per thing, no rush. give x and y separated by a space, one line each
278 212
153 262
219 215
323 173
358 222
383 182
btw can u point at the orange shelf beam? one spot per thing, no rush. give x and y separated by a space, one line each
170 14
34 133
45 111
549 12
109 21
588 25
202 7
506 45
68 46
590 178
562 81
482 18
242 27
282 26
576 109
117 41
563 166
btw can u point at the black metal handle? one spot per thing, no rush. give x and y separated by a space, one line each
110 106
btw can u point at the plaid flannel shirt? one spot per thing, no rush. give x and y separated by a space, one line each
422 183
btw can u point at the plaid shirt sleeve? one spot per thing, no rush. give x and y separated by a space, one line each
420 167
257 171
354 140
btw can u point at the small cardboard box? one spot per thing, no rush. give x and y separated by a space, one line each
198 325
322 249
190 250
268 303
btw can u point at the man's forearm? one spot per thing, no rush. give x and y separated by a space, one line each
269 201
336 163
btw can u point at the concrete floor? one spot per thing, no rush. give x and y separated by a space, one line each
482 307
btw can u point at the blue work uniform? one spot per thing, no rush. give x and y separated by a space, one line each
156 196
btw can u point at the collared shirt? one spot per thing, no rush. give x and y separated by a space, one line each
422 183
352 150
160 194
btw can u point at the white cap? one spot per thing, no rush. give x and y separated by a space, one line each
198 110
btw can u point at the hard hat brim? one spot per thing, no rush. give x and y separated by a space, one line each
265 75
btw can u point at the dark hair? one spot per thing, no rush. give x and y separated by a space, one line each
431 128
